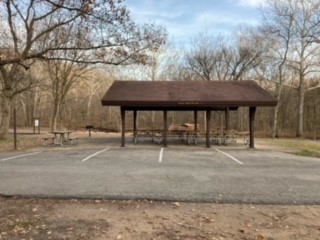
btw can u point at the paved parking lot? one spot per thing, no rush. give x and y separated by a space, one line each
219 174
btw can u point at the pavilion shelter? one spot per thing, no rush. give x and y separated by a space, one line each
194 96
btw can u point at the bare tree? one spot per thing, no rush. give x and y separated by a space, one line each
101 30
20 81
249 46
220 59
62 77
201 59
303 17
278 31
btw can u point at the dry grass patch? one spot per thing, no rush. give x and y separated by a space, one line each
23 142
301 147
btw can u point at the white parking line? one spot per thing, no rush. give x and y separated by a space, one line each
19 156
228 155
161 155
92 155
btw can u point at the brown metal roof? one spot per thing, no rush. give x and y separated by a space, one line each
186 95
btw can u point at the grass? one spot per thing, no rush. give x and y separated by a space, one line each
23 142
20 224
308 153
301 147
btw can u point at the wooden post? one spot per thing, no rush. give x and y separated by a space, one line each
195 120
208 117
123 128
227 118
252 111
134 122
165 126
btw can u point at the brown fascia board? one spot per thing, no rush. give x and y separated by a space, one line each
190 105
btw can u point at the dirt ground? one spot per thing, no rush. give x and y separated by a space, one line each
110 219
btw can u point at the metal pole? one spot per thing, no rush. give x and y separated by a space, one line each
15 129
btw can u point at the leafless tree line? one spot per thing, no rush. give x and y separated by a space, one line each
54 78
66 36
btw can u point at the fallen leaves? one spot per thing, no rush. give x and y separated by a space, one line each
177 204
119 237
103 219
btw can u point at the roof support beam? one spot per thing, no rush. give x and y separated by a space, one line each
252 112
208 130
123 127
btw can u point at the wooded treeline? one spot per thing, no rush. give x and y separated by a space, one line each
61 76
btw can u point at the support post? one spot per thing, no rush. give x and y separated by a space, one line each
15 129
165 127
123 127
134 122
195 120
227 112
208 118
252 111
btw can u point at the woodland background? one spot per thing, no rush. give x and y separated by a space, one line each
58 58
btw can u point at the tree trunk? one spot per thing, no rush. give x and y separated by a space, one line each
315 127
54 117
300 107
88 120
6 110
152 120
275 131
35 104
25 112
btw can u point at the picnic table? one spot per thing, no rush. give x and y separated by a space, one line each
157 135
187 133
62 138
244 136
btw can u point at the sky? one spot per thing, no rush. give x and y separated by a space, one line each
184 19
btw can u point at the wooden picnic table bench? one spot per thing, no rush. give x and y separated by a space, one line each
48 140
60 138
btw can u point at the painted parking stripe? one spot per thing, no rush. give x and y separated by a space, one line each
95 154
19 156
229 156
161 155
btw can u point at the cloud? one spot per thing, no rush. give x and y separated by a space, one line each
250 3
224 19
185 18
144 12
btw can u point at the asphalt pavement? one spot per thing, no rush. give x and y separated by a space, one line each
218 174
